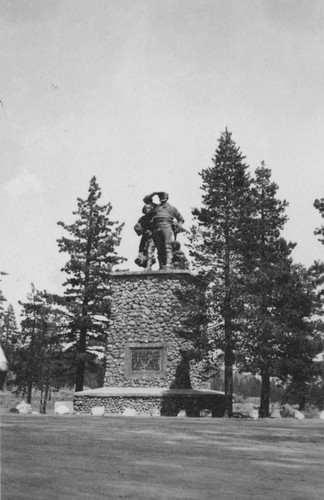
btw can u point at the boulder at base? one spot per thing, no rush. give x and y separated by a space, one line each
98 411
129 412
290 411
299 415
275 413
24 408
205 413
61 408
155 412
254 414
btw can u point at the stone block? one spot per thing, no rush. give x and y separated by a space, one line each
24 408
98 411
254 414
299 415
155 412
63 407
129 412
205 413
275 413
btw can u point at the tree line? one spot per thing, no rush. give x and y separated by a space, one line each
62 338
259 311
252 309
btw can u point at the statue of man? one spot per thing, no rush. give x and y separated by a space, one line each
144 228
166 221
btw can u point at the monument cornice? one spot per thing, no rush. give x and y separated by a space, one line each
161 272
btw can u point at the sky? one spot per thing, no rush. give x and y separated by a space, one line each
137 93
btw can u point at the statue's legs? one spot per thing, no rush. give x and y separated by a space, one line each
169 256
143 244
150 254
140 259
158 241
168 238
142 254
163 242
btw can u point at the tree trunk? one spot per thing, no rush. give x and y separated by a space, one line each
41 401
29 393
79 377
80 369
228 371
45 397
228 349
265 394
228 390
302 397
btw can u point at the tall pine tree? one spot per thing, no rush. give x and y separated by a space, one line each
267 259
279 332
218 246
298 307
319 205
2 300
39 353
91 244
9 333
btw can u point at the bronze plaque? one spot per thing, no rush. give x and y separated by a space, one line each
146 359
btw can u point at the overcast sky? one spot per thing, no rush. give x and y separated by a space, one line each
137 92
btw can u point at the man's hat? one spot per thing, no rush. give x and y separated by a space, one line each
163 195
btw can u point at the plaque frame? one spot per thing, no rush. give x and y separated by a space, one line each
157 346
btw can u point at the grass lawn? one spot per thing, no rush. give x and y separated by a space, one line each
84 457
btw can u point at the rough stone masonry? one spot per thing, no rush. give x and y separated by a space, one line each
146 344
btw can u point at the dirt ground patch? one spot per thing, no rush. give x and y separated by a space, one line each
84 457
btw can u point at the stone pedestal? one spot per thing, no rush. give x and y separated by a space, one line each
148 347
145 345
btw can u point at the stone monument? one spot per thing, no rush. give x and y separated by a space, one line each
149 368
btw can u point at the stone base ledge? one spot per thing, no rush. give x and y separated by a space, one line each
149 401
145 392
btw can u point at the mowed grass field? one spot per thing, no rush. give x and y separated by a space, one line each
84 457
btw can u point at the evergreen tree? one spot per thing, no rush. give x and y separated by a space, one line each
318 267
298 307
39 355
9 333
91 246
218 246
280 300
3 362
2 300
319 205
267 258
9 327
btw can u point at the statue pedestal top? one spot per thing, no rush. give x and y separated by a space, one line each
157 272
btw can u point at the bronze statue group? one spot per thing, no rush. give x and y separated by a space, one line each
158 228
